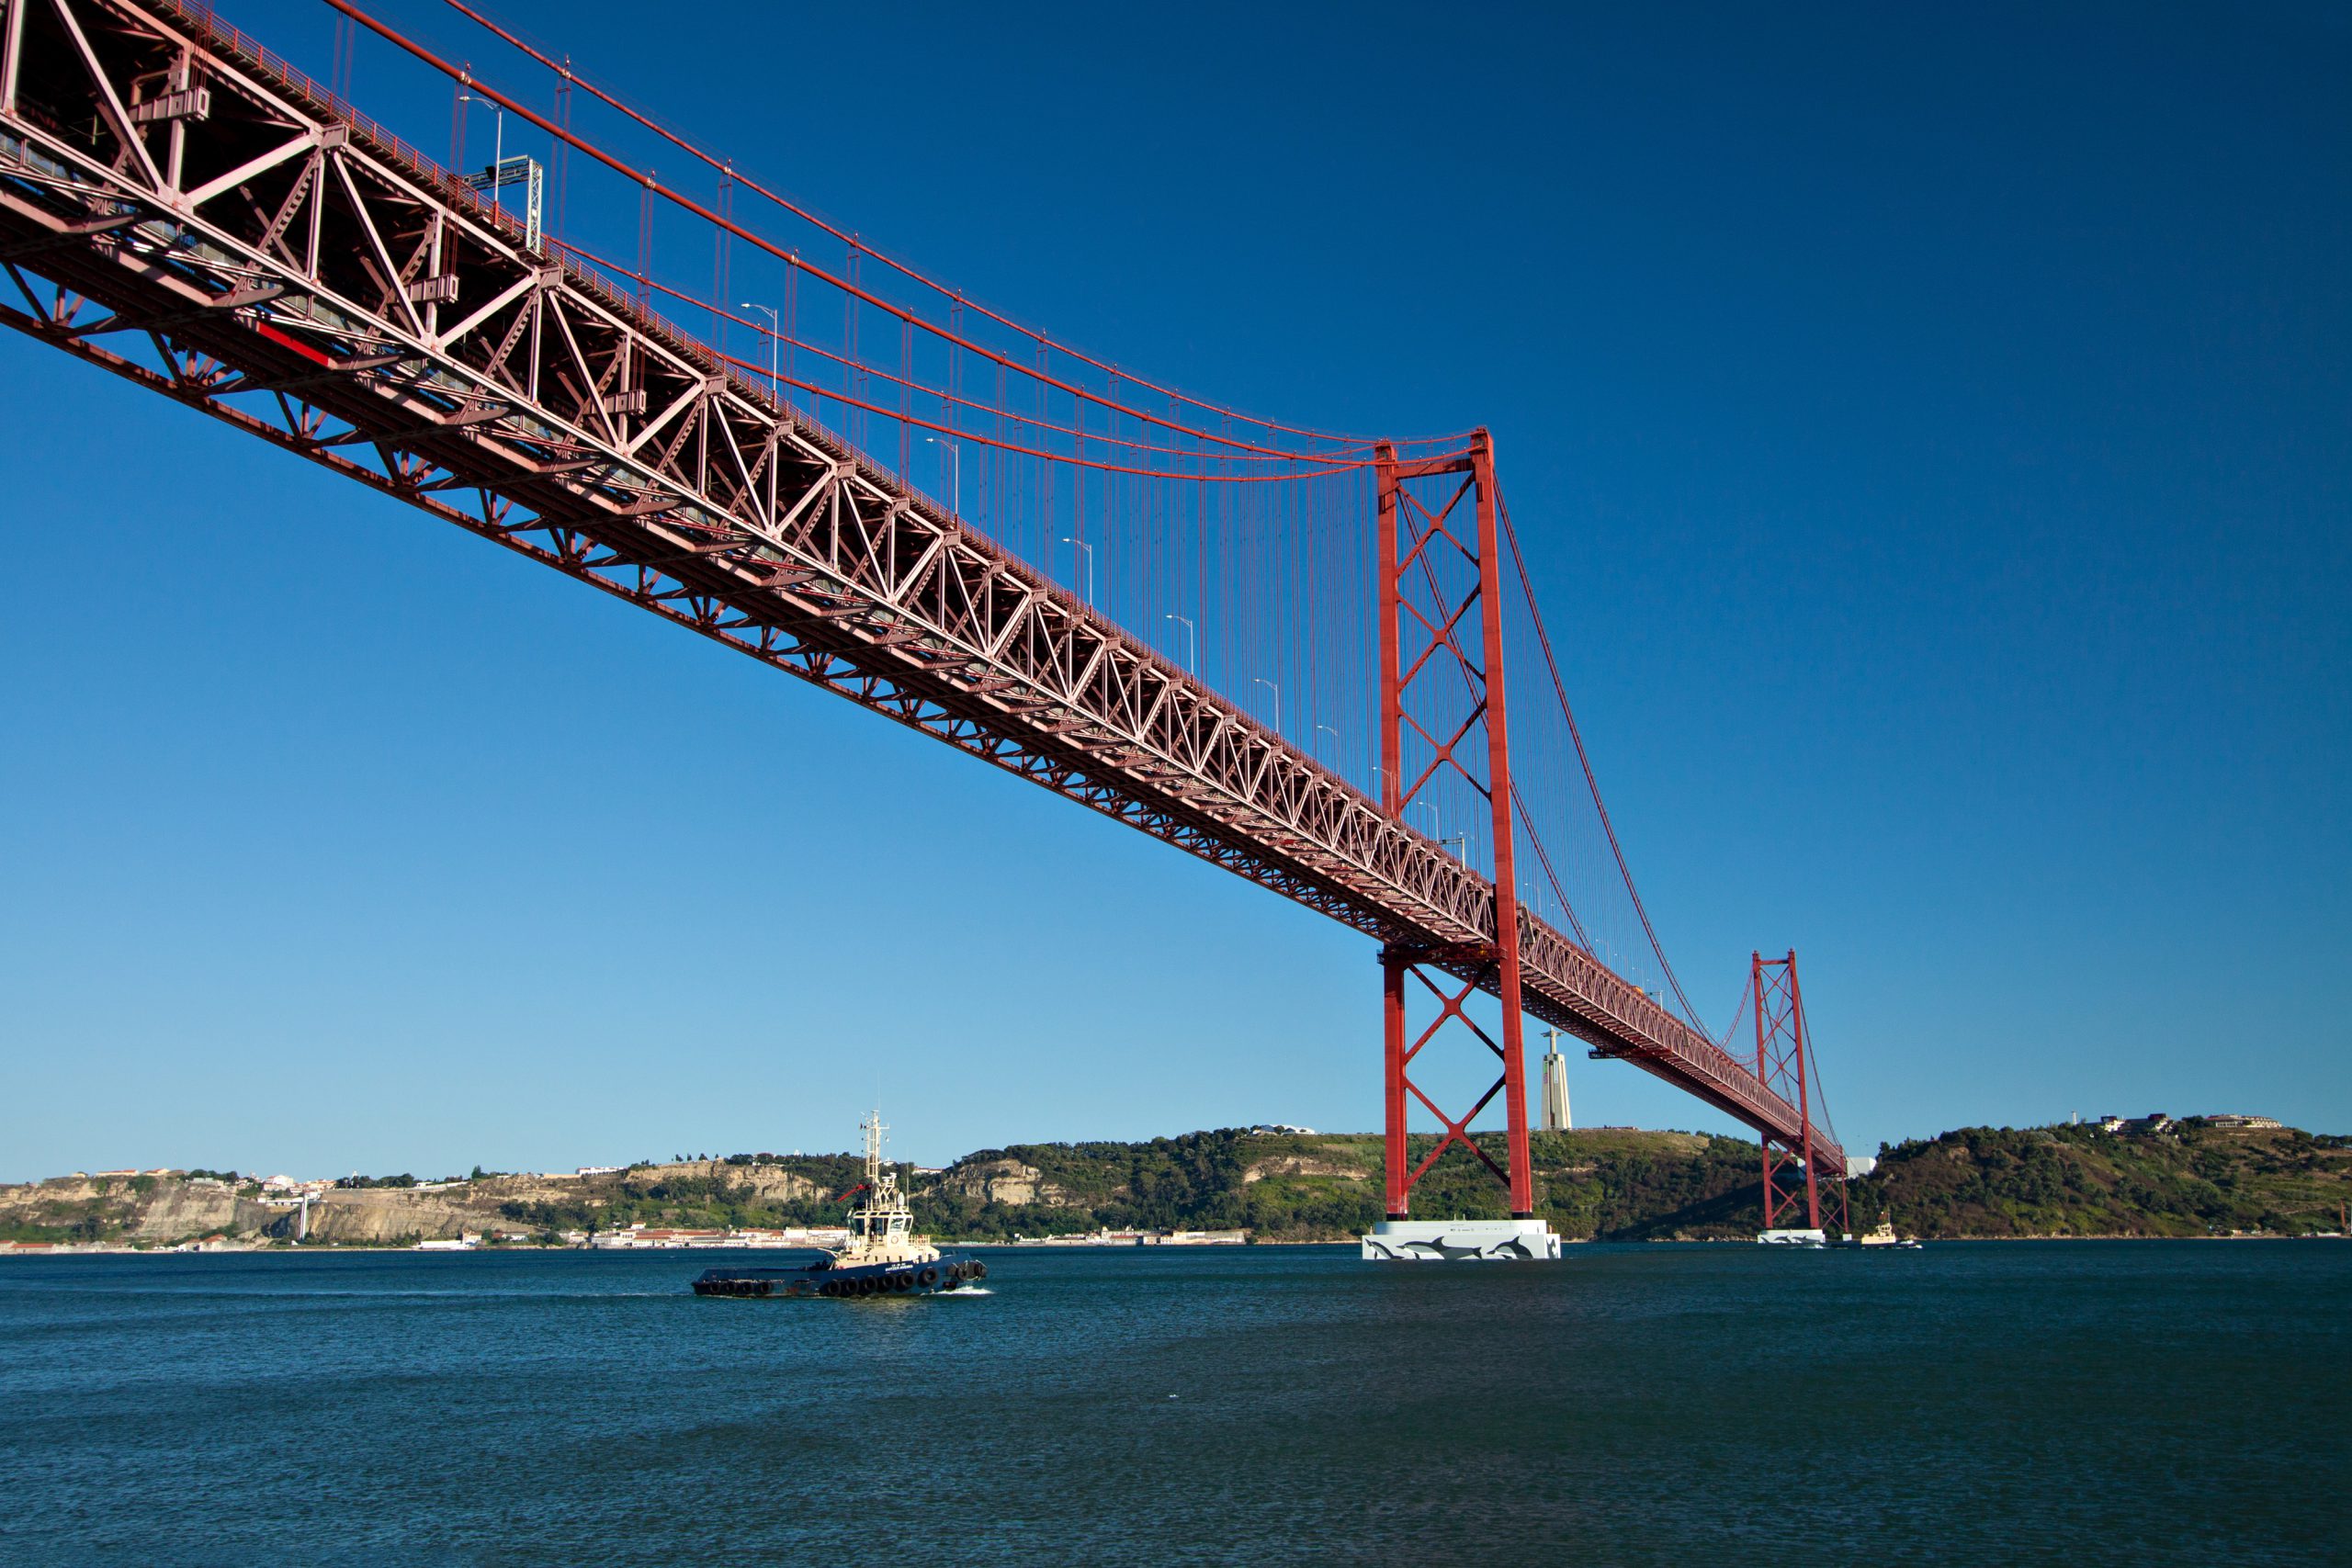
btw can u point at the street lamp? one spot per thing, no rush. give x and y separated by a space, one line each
524 172
497 145
1087 551
1437 823
956 449
1261 680
775 340
1192 642
1335 743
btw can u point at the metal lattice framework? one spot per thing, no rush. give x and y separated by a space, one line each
180 207
1784 1060
1441 624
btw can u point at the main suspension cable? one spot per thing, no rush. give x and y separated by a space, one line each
687 297
677 198
1560 690
737 177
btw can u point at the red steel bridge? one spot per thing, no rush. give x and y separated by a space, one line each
1282 649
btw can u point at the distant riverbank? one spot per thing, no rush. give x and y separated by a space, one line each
2188 1179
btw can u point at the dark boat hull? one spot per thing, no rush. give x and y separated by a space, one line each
845 1282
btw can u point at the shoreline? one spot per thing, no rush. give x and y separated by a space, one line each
280 1249
1624 1185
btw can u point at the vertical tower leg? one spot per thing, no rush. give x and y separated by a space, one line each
1499 789
1763 1030
1391 1015
1391 965
1804 1099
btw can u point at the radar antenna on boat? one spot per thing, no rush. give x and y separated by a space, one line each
873 1128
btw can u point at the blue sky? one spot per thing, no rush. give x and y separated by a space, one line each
1931 435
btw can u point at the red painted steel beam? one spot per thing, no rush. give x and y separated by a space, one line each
1499 796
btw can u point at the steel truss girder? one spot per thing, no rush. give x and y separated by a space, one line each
602 442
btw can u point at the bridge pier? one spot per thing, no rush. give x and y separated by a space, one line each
1393 969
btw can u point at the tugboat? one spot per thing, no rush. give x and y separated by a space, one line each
881 1258
1883 1235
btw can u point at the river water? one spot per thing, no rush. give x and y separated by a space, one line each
2102 1402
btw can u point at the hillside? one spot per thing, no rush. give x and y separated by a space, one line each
2193 1180
1610 1184
1282 1187
1618 1184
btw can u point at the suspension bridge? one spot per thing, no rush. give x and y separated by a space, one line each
1311 658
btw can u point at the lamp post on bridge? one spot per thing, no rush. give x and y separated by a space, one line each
497 144
775 341
1087 551
1261 680
956 448
1192 642
524 171
1336 742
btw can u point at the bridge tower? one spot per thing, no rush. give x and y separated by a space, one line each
1784 1061
1439 575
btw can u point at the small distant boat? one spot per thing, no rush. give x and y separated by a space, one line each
1882 1234
881 1255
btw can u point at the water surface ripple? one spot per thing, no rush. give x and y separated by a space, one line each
2117 1401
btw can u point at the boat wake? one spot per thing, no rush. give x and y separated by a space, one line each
964 1291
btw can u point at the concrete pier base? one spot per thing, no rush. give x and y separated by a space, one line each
1462 1241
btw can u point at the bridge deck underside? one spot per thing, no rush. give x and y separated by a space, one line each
312 283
